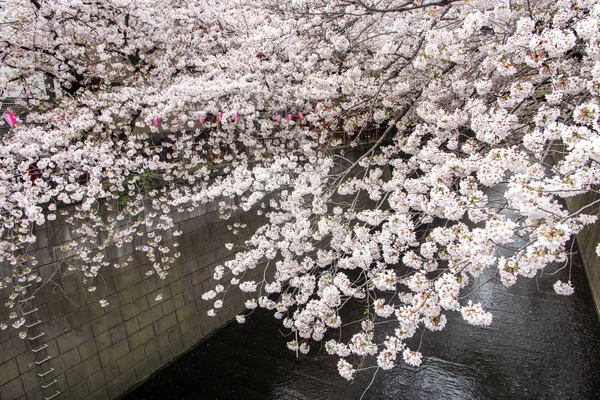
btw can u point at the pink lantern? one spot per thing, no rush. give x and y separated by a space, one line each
156 122
11 119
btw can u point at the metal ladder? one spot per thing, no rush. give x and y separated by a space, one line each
42 362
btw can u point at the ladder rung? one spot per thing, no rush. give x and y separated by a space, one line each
53 396
30 312
40 348
37 336
42 361
46 373
33 324
27 299
49 384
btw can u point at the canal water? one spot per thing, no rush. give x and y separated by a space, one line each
539 346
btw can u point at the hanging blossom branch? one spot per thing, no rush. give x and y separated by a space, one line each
147 108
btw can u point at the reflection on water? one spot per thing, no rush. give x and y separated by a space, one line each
539 346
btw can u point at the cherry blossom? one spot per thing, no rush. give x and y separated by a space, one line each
398 151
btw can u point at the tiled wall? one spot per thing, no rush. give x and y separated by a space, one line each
90 352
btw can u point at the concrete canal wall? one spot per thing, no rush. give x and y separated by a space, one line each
76 349
587 240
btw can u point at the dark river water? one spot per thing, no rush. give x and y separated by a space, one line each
539 346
